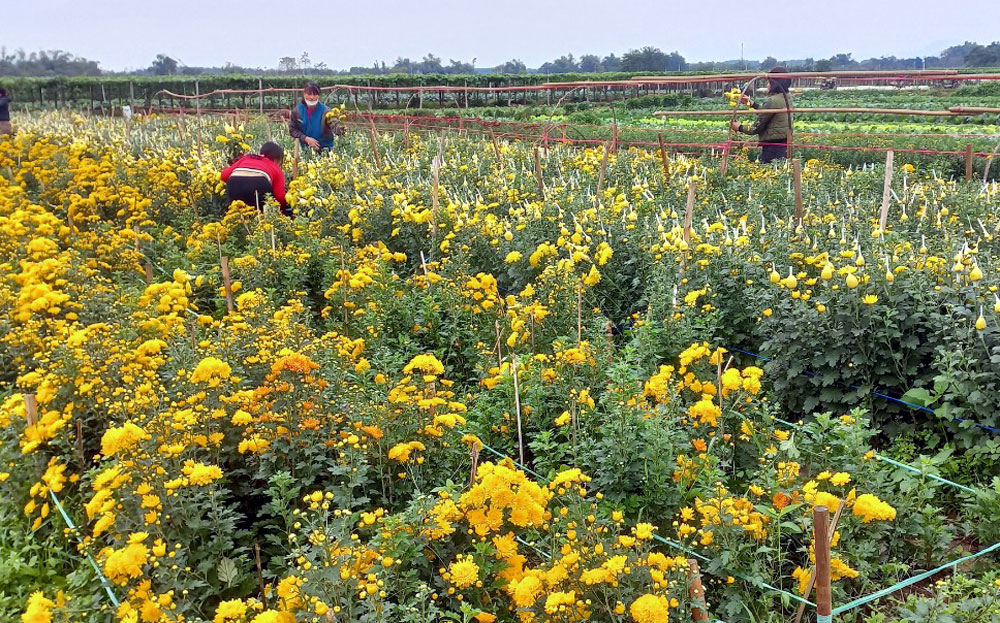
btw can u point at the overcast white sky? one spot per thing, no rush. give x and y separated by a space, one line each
256 33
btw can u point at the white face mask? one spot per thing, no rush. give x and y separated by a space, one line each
312 104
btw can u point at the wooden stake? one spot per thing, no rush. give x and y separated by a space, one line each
968 162
812 574
31 409
600 176
435 185
295 162
227 283
499 346
148 269
538 175
821 542
473 463
886 191
663 158
614 129
79 442
517 407
689 211
373 138
496 146
197 103
797 170
696 592
260 573
989 161
579 314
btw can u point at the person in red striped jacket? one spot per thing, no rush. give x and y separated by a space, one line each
254 176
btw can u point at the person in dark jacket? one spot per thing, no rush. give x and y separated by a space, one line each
251 178
309 124
772 129
5 127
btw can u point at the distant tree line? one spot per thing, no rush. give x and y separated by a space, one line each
648 58
45 63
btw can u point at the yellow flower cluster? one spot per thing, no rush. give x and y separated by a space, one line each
870 508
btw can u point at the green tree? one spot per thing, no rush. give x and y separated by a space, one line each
513 66
590 63
163 65
984 55
562 65
651 58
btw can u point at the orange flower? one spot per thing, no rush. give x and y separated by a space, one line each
780 500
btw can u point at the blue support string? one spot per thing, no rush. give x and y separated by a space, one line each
69 524
913 580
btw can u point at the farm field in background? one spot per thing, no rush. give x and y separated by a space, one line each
485 380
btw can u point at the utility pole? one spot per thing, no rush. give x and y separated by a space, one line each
742 62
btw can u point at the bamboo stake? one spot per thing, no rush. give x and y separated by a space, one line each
372 137
197 103
473 463
968 162
496 147
821 542
295 162
30 409
614 130
538 175
227 283
663 158
886 191
260 573
499 346
79 442
435 187
989 161
797 171
600 176
696 592
579 314
689 211
517 407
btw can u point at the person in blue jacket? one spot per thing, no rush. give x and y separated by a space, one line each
309 124
5 127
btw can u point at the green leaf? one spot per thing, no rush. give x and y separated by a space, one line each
791 527
227 571
919 396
